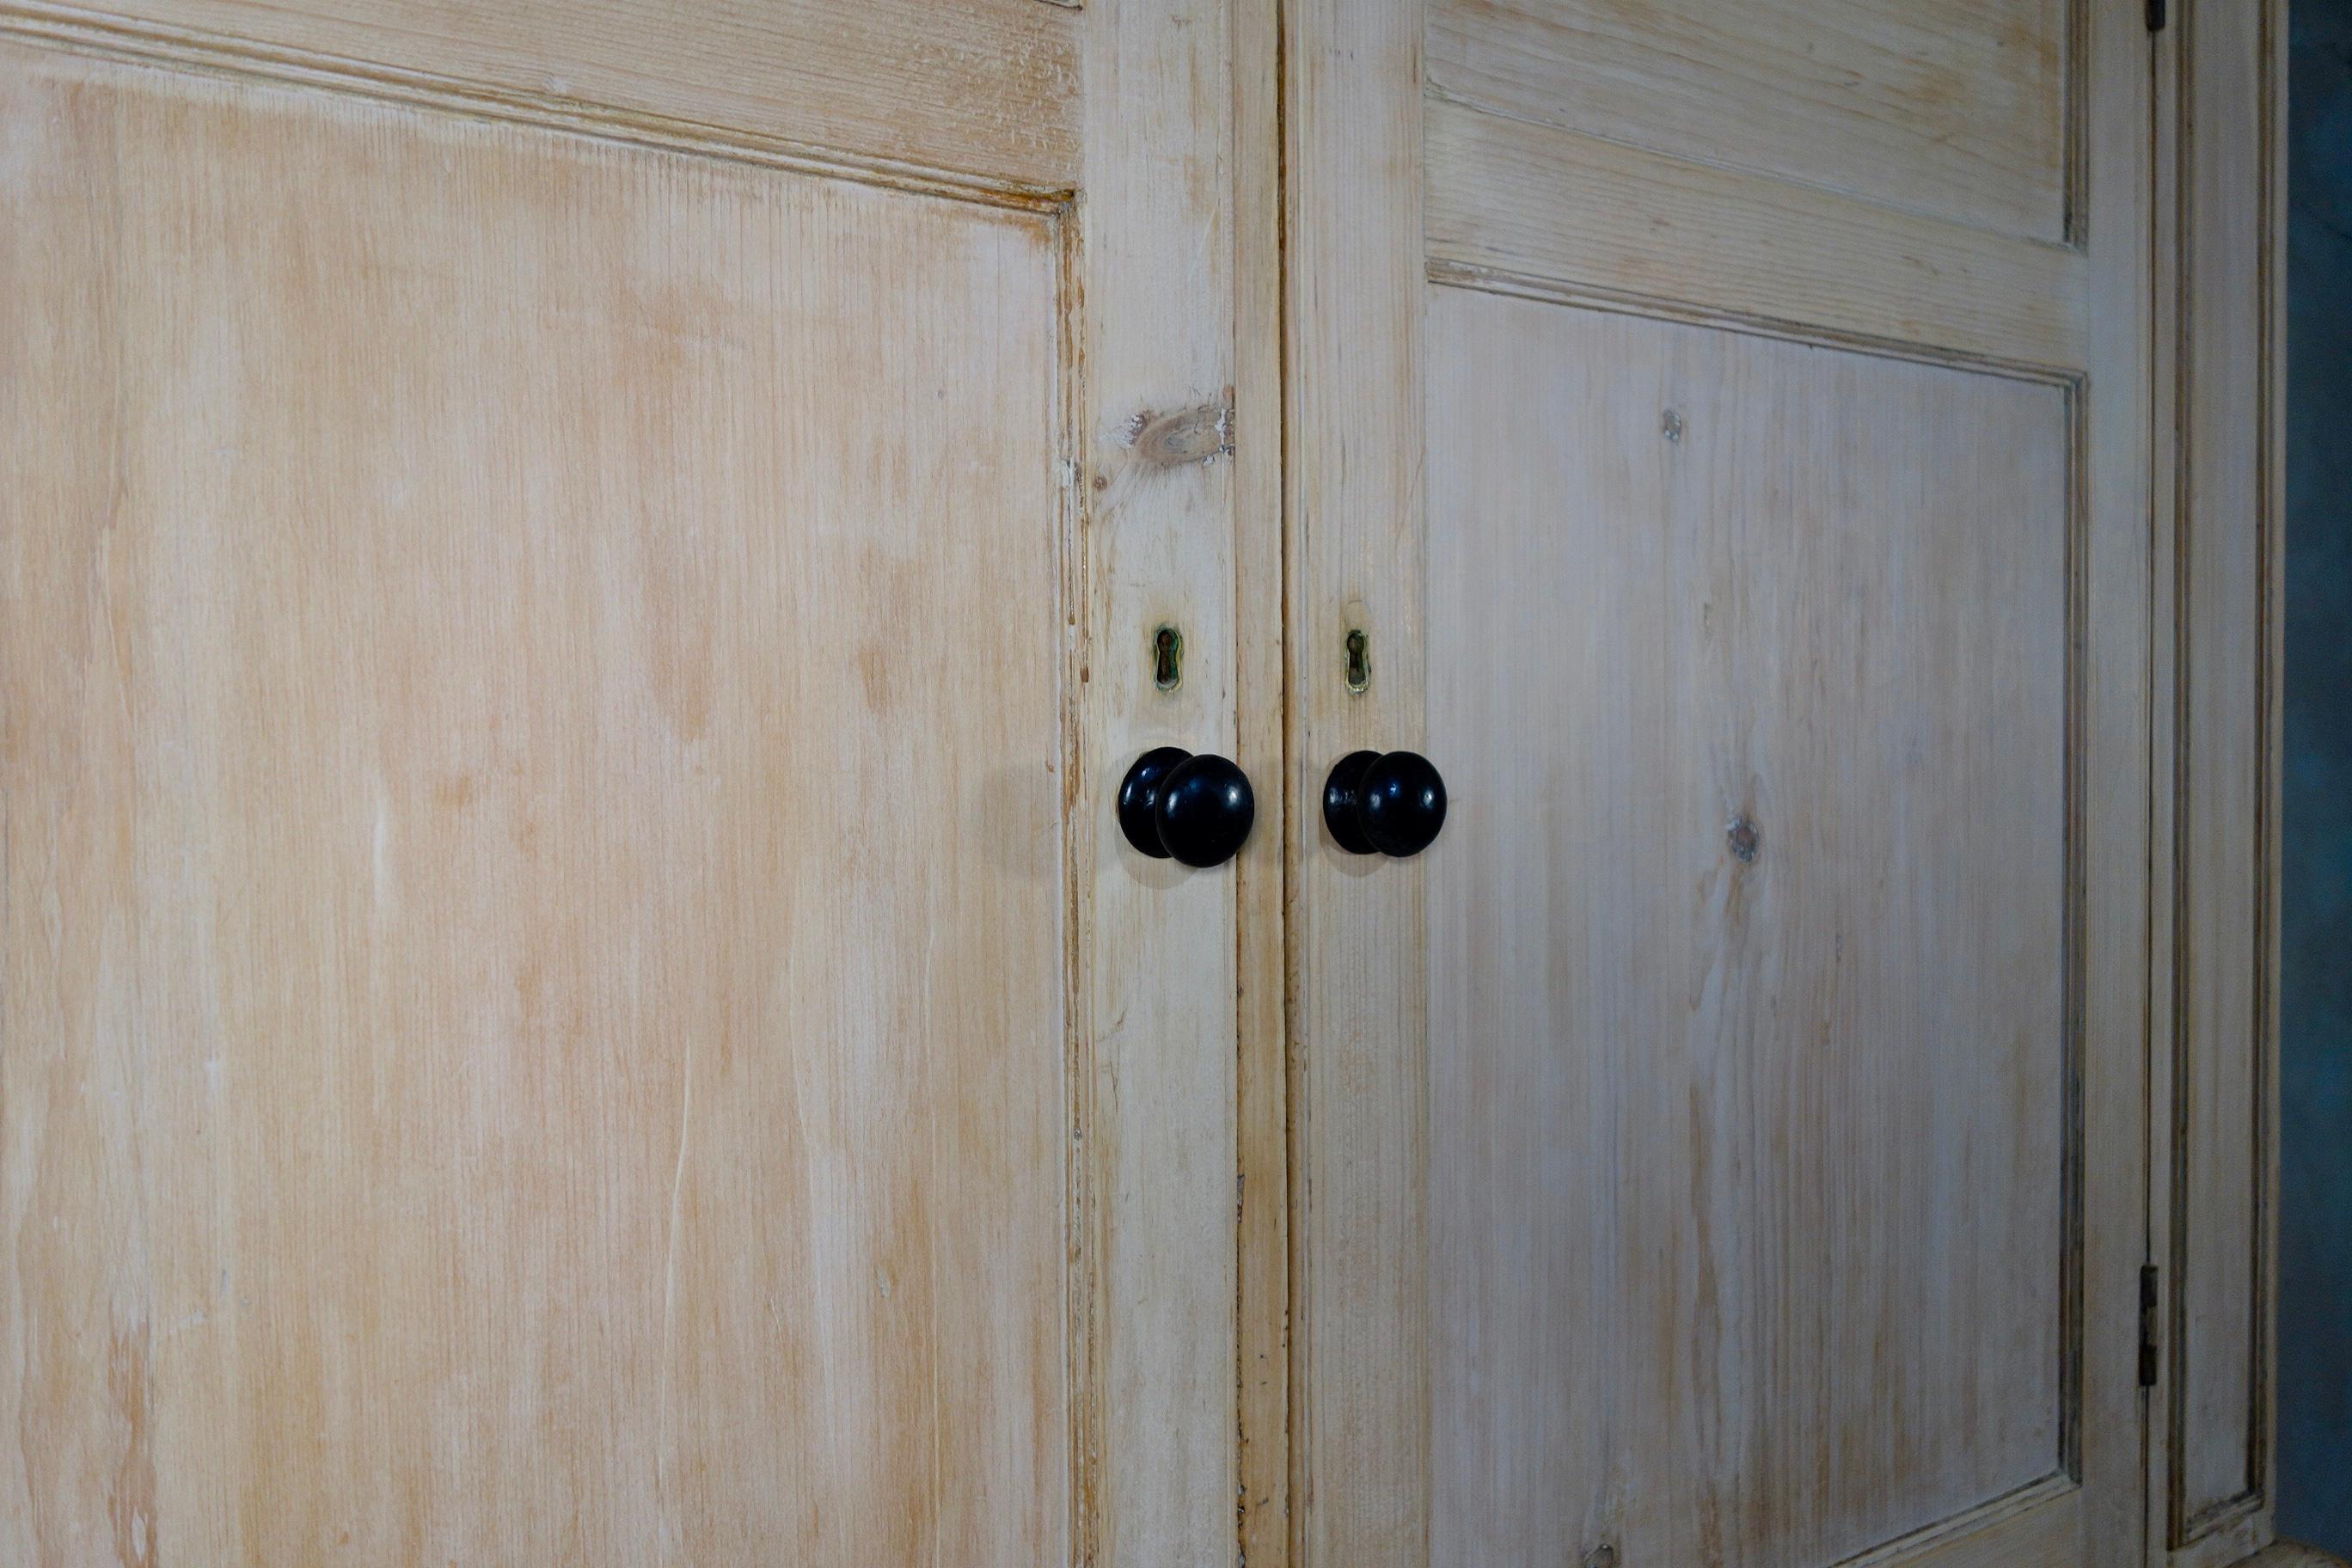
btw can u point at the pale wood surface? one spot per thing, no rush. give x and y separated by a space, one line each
535 915
1952 108
2221 118
1599 222
983 87
1262 1099
995 1050
272 975
1541 206
1745 1231
1154 315
1354 265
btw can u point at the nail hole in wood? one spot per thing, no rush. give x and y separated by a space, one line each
1745 840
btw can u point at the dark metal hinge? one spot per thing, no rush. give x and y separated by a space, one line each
2155 17
2148 1326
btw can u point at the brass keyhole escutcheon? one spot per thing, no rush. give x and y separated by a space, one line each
1167 658
1359 659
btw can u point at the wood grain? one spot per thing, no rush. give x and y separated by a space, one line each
2041 1526
1956 109
986 88
1745 1231
1155 278
1262 1082
1354 264
1526 203
2222 114
2107 1190
535 904
2035 282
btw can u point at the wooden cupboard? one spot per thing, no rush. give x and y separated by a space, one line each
585 970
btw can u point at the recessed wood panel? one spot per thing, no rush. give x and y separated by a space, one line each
1750 971
1956 109
532 687
1528 206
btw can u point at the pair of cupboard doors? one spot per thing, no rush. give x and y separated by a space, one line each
578 581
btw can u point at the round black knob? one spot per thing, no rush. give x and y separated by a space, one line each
1390 803
1198 810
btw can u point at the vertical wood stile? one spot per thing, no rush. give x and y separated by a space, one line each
1355 275
1156 272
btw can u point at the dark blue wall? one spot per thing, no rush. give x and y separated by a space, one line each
2315 1467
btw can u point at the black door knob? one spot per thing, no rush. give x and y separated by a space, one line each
1198 810
1389 804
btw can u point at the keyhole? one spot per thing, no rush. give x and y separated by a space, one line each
1360 661
1167 658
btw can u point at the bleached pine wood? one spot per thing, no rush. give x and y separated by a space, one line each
1739 1243
1514 204
1553 1158
1354 264
567 676
986 88
1157 265
1954 108
511 1051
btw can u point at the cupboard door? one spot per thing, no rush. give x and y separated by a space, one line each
1722 448
575 584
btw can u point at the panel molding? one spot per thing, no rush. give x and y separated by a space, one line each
142 42
2029 1526
1513 285
2065 1028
